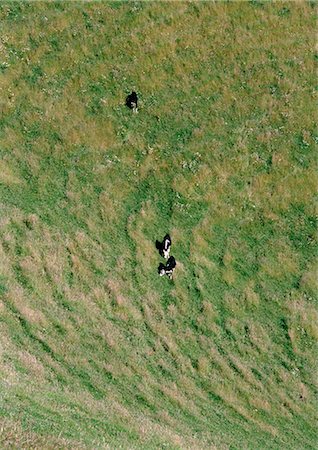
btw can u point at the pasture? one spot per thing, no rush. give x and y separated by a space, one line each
97 350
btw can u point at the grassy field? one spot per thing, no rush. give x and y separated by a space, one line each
96 350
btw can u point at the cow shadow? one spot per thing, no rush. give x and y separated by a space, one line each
159 247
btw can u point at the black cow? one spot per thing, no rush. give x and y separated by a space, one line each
131 101
164 246
168 268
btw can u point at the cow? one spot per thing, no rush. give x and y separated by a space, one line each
168 268
131 101
164 246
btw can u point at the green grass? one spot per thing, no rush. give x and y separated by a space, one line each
97 351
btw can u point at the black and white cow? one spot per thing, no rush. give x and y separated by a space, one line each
164 246
131 101
168 268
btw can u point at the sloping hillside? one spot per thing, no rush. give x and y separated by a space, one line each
96 350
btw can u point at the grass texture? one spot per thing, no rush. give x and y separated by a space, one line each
97 351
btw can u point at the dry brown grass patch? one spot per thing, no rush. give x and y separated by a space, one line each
203 366
251 297
260 337
209 316
309 279
32 364
230 396
114 287
146 253
111 334
5 263
284 262
246 372
12 435
259 403
19 298
303 318
229 275
8 175
175 395
108 208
